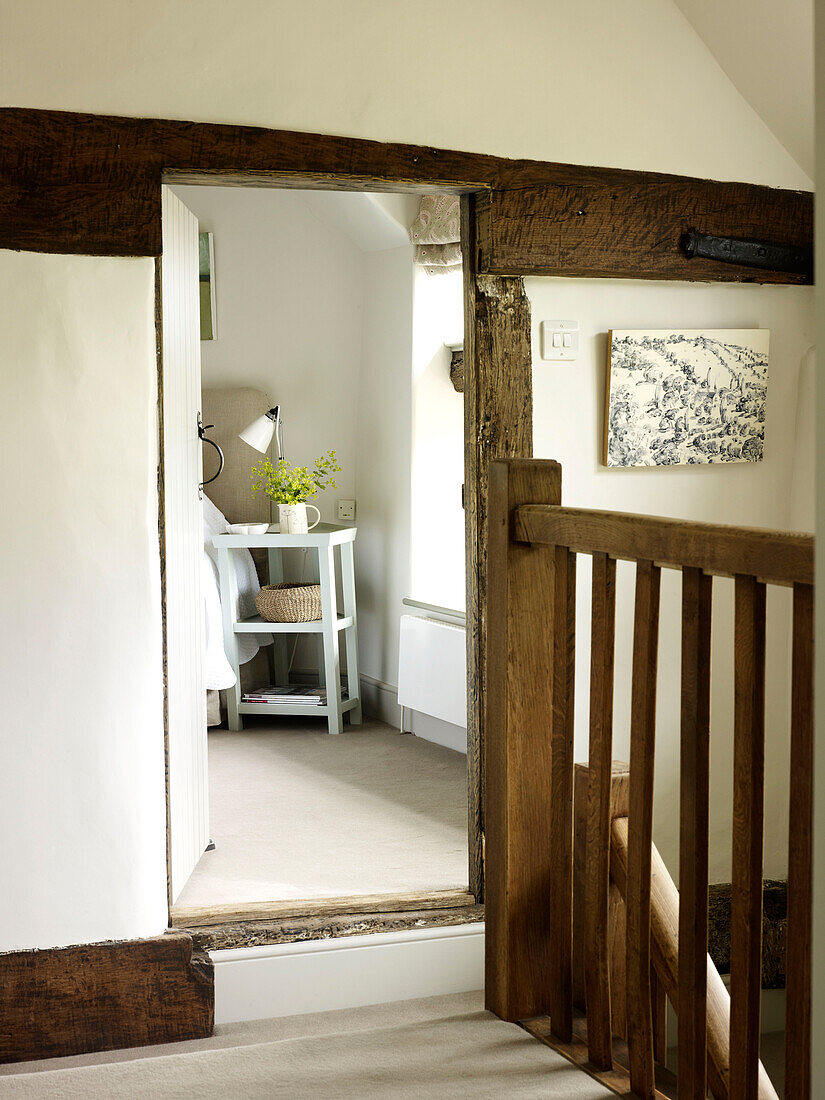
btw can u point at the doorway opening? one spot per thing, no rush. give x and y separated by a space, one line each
311 302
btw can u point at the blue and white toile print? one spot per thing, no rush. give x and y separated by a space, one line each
686 397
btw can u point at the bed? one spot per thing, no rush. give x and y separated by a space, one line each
229 499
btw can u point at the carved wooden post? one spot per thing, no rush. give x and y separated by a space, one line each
521 955
498 423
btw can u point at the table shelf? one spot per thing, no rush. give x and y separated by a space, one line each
256 625
295 708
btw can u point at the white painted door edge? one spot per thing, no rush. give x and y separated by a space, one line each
292 979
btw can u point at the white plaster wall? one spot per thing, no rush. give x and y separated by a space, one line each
289 319
594 82
568 426
384 444
82 810
438 572
325 330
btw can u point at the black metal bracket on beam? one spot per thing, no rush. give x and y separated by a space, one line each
750 253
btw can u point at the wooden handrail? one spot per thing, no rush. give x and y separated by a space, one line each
621 895
664 933
775 557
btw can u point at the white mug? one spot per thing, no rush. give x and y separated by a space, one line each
292 518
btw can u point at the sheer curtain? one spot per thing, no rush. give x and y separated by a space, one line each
436 234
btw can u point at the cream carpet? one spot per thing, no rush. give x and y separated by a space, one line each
442 1047
295 813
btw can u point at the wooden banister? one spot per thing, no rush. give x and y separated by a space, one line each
693 832
633 943
520 967
748 812
640 828
800 850
777 557
664 930
598 818
561 792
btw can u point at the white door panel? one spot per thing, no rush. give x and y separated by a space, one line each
183 513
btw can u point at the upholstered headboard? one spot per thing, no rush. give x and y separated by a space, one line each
230 410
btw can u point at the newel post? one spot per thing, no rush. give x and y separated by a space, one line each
521 955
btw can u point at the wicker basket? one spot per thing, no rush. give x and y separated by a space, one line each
289 603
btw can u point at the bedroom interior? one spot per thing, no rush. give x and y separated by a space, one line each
318 303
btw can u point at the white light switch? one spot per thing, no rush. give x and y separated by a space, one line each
560 340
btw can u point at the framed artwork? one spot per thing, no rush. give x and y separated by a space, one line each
685 396
206 282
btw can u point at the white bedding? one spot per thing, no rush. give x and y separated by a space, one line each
219 673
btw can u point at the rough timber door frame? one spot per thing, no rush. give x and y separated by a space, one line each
498 423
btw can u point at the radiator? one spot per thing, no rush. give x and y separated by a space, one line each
432 669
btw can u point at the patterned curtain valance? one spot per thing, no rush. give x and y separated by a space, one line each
436 233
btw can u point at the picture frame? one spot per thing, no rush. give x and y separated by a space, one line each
206 285
685 396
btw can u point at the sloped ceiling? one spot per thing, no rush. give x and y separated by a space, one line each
372 222
766 49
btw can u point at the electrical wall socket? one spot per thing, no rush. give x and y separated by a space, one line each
346 511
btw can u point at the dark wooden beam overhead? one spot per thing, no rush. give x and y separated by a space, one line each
78 183
104 996
601 222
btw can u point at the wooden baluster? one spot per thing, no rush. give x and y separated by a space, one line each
597 865
640 828
561 796
748 798
693 841
664 924
519 950
800 900
658 1001
616 951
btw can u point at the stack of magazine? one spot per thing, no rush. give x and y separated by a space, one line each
298 694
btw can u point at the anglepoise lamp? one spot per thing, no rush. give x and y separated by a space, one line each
259 433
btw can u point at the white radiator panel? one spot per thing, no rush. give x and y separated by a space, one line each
432 669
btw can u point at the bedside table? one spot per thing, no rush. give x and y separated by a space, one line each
323 539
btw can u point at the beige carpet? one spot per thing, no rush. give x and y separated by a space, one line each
296 813
442 1047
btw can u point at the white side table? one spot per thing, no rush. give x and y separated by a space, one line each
323 539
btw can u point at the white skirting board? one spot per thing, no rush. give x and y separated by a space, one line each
292 979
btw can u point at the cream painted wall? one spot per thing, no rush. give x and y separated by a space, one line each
774 72
82 811
289 319
568 418
595 82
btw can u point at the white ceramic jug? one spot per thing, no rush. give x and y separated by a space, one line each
292 518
